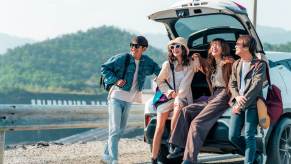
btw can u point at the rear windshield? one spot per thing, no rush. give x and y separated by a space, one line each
186 26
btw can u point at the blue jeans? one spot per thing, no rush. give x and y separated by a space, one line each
118 113
246 144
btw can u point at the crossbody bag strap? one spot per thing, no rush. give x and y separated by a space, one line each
267 70
173 73
168 84
126 63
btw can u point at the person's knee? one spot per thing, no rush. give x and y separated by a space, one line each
114 132
178 108
250 138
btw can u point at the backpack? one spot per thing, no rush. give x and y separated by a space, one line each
106 86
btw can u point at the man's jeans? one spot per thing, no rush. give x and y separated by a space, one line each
118 113
246 144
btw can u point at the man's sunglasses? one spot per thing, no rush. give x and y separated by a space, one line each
134 45
175 46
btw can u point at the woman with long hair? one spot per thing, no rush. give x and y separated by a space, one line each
174 81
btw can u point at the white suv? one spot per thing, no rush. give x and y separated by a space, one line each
200 21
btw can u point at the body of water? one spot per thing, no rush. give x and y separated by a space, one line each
29 137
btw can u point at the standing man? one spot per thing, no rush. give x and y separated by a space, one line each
245 85
127 78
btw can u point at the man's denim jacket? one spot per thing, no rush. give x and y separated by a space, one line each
112 70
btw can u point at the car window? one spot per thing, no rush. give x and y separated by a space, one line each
289 63
284 63
225 36
188 25
197 42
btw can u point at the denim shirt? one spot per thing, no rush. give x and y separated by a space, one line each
112 70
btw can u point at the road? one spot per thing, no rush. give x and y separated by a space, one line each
132 151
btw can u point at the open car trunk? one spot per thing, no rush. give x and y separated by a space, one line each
201 21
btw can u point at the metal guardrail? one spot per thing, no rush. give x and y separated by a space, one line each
39 117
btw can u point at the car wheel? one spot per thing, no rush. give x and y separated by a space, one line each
279 149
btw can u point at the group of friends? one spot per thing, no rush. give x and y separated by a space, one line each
232 83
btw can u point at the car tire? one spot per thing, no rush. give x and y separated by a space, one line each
279 147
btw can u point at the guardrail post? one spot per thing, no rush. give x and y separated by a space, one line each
2 146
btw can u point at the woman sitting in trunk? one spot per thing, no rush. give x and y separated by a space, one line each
174 81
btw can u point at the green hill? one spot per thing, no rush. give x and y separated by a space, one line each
67 64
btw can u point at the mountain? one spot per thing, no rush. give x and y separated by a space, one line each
10 42
273 35
67 64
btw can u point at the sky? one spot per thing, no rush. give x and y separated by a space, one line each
43 19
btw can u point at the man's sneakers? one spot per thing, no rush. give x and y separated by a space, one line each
177 152
103 161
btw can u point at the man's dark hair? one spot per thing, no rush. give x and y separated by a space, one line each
250 42
140 40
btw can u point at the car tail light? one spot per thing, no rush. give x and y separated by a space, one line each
147 120
240 6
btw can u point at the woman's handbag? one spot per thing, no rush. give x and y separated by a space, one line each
273 104
160 101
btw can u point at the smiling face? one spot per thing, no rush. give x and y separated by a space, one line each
216 49
245 46
240 49
136 50
176 49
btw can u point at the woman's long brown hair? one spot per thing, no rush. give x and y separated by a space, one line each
225 52
212 63
185 57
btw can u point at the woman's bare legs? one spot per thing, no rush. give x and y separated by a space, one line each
161 121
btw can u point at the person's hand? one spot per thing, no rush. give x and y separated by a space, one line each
235 110
228 59
241 100
173 94
120 83
195 58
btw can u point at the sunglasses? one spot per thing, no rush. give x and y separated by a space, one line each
134 45
175 46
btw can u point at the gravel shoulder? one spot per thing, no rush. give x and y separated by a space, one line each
131 151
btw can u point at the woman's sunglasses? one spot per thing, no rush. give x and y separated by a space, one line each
134 45
175 46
